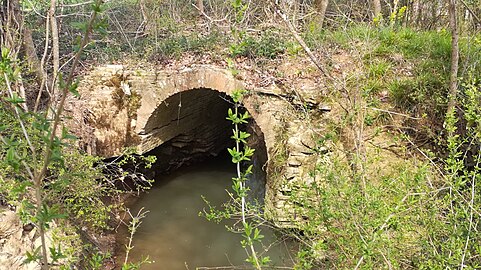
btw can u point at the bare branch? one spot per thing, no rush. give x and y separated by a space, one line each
39 176
301 42
77 4
476 18
55 45
207 16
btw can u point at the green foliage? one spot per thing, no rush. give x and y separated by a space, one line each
44 176
75 185
173 45
239 8
293 48
406 216
83 193
267 45
378 69
135 265
305 259
377 21
397 15
231 65
122 30
408 67
345 222
240 153
33 256
455 240
134 224
97 259
313 36
75 188
424 91
176 45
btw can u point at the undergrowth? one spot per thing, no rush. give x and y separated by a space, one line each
348 224
372 209
413 214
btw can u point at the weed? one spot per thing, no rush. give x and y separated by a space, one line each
176 45
268 45
293 48
377 69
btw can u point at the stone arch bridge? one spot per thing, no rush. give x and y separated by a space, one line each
180 114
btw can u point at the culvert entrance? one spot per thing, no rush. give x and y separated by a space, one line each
191 126
193 133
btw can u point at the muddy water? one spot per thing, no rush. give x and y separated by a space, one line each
175 237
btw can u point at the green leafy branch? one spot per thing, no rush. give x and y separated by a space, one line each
49 147
241 153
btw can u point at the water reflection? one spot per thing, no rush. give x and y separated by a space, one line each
175 237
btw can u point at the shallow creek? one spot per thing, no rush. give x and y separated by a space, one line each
175 237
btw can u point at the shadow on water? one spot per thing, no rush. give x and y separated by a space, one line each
173 234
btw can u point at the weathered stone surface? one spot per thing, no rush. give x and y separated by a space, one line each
13 243
166 109
119 122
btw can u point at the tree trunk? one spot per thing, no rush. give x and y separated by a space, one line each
453 82
376 6
11 25
434 14
146 26
31 54
295 7
55 45
24 38
200 6
13 38
420 15
321 7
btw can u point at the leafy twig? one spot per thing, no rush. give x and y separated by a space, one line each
133 226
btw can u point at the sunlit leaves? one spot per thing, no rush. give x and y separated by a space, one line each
15 99
48 214
32 256
237 95
66 135
237 118
239 156
56 253
240 136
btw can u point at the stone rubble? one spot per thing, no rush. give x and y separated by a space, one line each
15 243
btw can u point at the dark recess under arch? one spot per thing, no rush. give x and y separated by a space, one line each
192 126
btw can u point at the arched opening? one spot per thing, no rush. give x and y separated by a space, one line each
191 126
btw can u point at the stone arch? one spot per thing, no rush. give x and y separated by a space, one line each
174 84
117 103
124 103
198 129
119 120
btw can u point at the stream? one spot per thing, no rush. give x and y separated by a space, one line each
173 234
